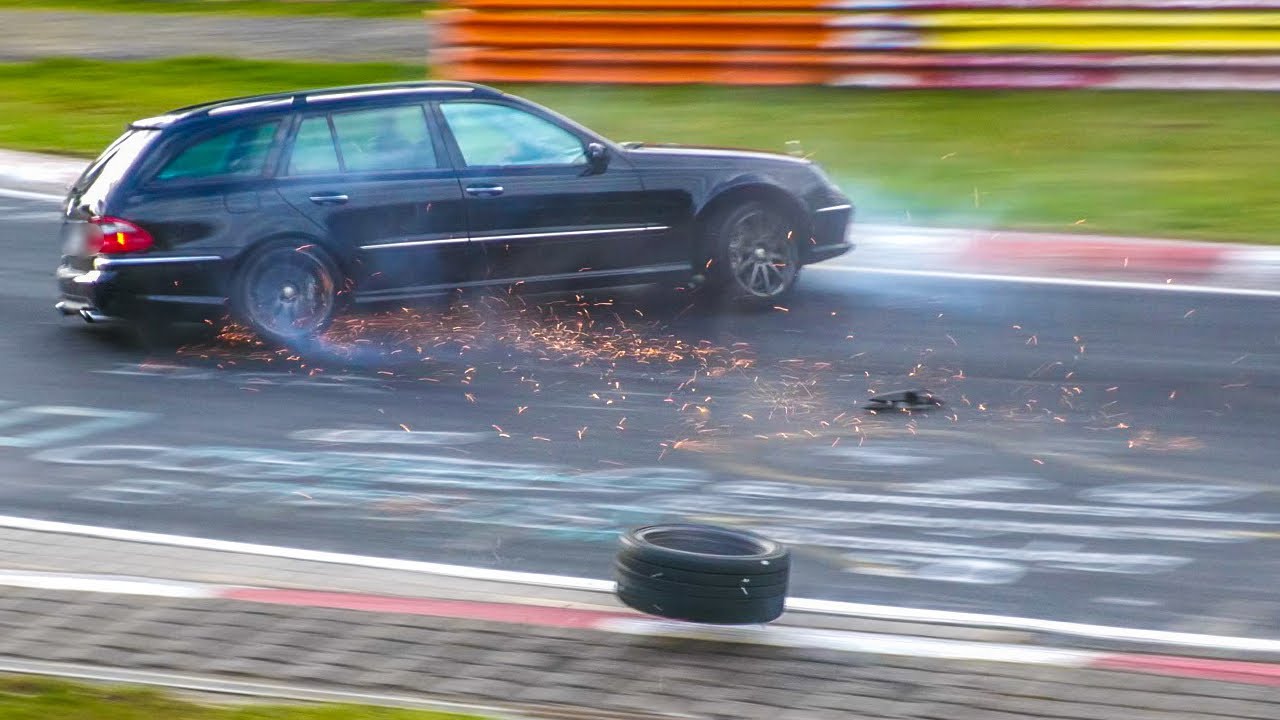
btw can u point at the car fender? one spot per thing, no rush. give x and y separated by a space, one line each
744 188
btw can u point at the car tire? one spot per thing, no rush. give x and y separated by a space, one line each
702 573
755 259
286 292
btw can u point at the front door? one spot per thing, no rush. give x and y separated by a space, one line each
375 180
539 211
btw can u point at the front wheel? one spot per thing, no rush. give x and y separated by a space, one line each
756 260
287 292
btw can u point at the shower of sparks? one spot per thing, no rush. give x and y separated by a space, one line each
716 389
1155 442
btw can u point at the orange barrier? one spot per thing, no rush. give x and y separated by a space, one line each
866 5
804 42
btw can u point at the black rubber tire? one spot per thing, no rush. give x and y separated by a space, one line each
702 573
701 610
705 549
632 582
722 285
645 569
316 260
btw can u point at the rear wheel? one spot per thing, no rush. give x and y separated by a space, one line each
287 292
756 261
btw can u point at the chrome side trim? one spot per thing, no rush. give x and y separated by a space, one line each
833 208
438 289
413 243
187 299
572 233
102 263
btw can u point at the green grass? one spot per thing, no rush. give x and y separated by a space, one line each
32 698
77 106
1194 165
343 8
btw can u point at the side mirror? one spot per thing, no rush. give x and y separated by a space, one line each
597 157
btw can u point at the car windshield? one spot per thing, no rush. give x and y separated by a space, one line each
91 189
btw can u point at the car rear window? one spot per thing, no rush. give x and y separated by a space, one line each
236 152
110 167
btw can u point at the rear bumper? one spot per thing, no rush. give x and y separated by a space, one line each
143 288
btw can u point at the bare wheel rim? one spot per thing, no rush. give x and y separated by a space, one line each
289 293
761 253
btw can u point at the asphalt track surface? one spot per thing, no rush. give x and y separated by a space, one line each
1105 455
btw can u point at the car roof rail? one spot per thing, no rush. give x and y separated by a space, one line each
298 98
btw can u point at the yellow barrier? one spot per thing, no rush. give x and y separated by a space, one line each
797 41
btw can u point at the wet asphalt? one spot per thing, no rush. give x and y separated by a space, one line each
1103 455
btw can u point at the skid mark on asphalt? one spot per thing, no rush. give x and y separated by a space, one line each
389 437
41 425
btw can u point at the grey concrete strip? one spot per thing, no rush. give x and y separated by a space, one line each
30 35
38 173
584 672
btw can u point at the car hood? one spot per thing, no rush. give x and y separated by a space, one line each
644 154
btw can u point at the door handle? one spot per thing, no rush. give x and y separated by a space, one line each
329 199
484 190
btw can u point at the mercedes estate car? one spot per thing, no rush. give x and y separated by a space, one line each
280 210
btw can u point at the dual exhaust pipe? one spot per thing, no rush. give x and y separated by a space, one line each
89 315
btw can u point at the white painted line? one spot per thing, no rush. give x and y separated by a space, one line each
1063 282
102 584
28 195
846 641
222 686
458 571
825 607
1099 632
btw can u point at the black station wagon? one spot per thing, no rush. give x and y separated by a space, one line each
280 209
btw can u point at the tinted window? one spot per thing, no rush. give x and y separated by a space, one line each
492 134
313 150
393 138
110 167
238 152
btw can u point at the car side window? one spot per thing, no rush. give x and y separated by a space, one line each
313 150
237 152
491 134
393 138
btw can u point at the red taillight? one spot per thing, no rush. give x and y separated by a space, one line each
112 236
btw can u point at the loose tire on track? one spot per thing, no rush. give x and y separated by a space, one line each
702 573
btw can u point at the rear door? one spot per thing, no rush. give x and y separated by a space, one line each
535 207
377 182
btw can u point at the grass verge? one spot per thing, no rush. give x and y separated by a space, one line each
1193 165
37 698
341 8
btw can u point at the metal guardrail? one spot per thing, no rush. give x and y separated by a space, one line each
1188 44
